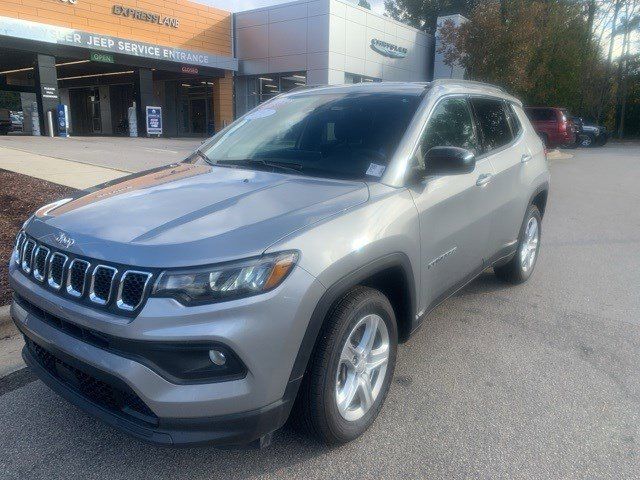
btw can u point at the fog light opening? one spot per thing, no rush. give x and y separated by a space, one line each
217 357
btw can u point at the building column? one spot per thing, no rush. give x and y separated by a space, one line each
223 101
144 97
47 89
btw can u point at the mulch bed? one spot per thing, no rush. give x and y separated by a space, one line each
20 196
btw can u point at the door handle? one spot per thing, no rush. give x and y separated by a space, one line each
525 158
484 179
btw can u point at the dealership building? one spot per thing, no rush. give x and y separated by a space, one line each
202 66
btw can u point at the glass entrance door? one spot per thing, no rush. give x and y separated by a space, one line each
195 109
198 116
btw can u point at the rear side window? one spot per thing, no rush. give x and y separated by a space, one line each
493 122
514 121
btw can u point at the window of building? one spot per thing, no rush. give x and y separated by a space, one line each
493 121
252 90
450 125
350 78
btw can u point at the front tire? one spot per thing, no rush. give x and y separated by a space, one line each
351 368
520 267
587 140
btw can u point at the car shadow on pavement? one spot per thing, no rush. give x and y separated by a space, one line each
486 282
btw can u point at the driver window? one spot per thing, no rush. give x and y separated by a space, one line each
450 125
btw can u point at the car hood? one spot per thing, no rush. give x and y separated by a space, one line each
188 214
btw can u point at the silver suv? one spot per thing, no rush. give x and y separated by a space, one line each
276 270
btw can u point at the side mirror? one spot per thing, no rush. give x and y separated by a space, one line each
449 161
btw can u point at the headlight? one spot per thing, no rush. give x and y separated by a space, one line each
195 286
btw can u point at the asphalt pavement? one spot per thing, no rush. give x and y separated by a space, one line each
536 381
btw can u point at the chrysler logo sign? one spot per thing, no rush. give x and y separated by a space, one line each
388 49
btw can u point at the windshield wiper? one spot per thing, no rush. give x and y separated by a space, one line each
203 156
248 162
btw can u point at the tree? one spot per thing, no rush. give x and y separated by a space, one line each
423 14
535 49
364 4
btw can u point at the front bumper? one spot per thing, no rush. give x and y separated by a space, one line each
234 429
264 331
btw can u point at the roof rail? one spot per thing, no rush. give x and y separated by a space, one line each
449 81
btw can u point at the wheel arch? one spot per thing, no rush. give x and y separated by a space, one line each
391 274
539 198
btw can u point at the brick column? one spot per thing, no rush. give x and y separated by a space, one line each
223 101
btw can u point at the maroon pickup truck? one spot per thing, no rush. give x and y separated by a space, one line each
554 125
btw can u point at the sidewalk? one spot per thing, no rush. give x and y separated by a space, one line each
116 153
10 345
64 172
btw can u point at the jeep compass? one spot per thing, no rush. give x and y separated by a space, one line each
274 272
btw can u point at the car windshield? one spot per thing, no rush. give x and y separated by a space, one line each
339 135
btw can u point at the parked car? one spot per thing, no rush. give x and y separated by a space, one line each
5 121
554 125
17 121
278 268
590 134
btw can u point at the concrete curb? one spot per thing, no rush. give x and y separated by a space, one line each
556 154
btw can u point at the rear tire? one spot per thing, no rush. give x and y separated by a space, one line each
323 407
520 267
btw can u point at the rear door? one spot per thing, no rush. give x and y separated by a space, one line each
506 147
453 209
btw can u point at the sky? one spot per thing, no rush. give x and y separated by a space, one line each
239 5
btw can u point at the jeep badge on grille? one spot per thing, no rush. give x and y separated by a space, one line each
64 240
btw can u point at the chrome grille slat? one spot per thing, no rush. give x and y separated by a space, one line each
132 289
27 255
100 275
18 247
40 262
77 277
56 270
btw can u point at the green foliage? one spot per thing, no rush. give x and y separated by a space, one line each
539 50
364 3
422 14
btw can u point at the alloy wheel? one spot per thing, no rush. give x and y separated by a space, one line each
362 367
529 247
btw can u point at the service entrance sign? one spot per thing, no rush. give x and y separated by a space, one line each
154 120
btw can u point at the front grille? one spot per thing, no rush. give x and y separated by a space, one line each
91 282
119 399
